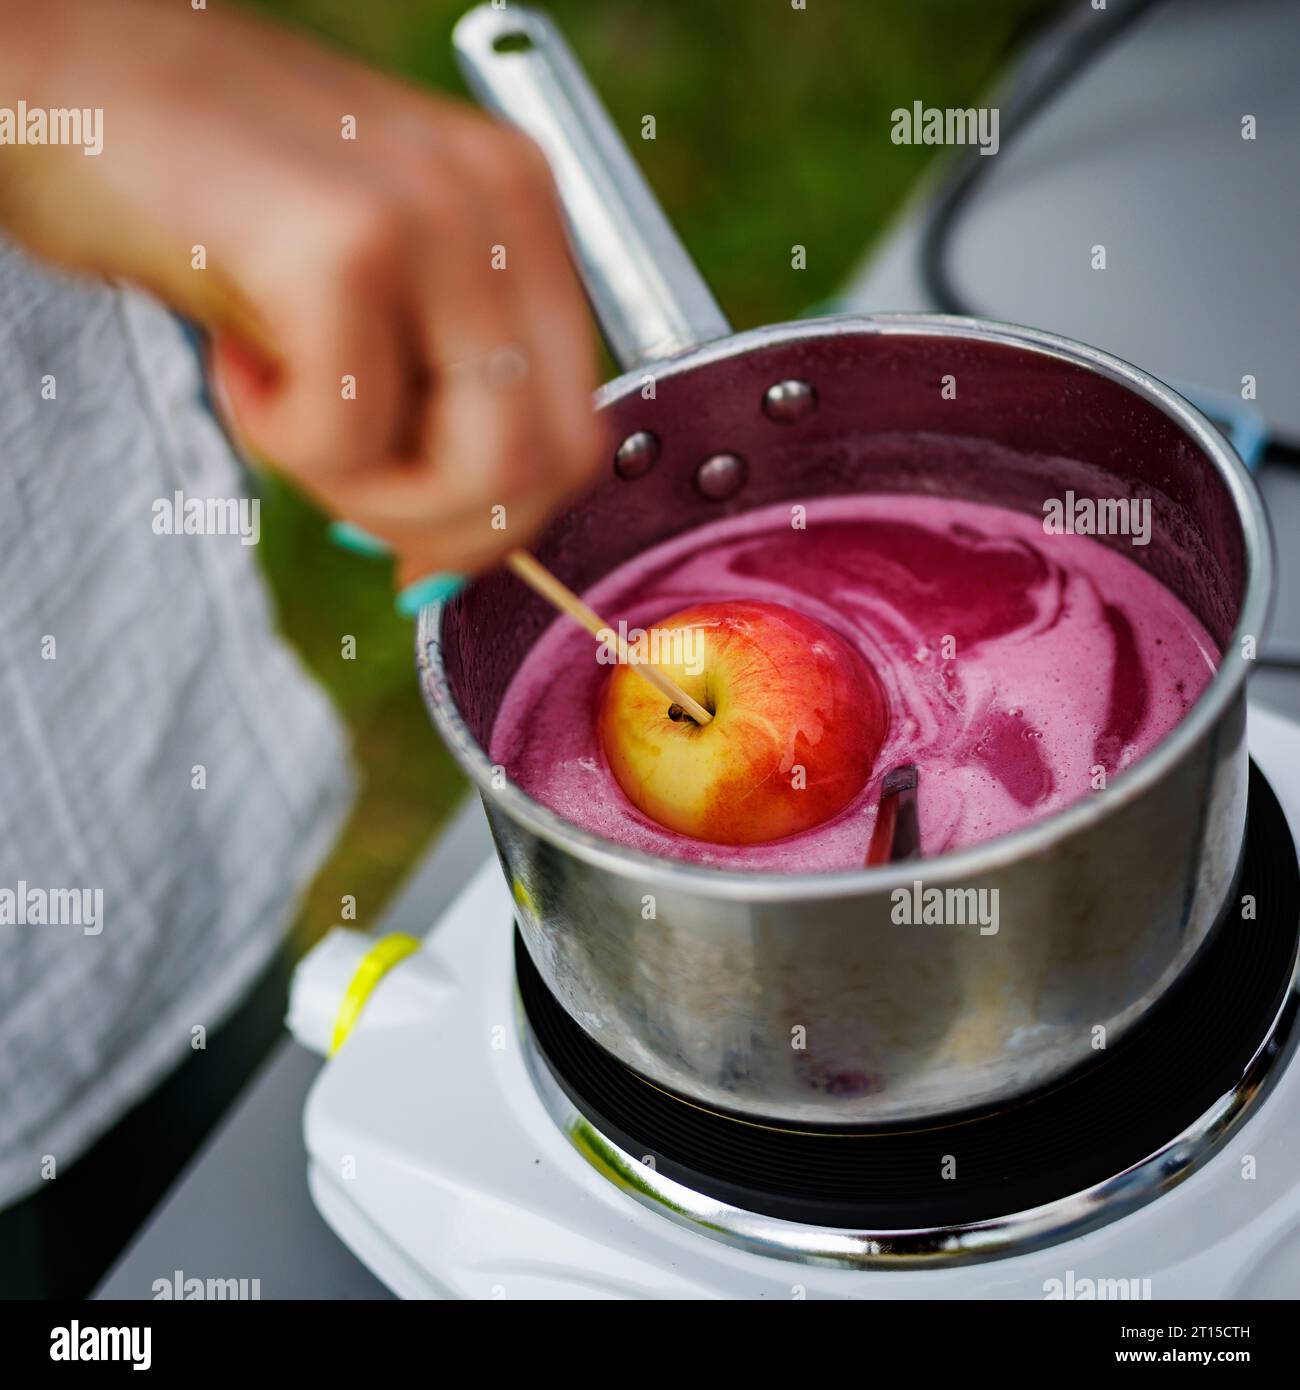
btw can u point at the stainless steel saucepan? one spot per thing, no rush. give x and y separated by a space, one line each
790 997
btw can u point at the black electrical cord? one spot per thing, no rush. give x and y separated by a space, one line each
1094 32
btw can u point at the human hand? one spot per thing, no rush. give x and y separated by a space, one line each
424 262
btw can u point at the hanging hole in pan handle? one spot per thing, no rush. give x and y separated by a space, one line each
516 41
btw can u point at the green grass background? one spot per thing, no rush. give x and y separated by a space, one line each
772 129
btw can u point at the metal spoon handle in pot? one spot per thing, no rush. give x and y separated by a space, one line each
648 296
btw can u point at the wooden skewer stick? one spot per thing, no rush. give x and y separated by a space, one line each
543 582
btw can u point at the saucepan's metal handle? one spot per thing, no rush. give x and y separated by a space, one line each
650 299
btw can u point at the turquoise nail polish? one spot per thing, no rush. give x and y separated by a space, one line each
433 588
353 538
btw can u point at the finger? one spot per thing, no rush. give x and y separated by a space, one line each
468 550
338 398
484 433
556 328
510 415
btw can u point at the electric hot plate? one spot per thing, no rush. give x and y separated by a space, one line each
1140 1118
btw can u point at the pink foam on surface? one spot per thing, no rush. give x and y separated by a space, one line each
1014 662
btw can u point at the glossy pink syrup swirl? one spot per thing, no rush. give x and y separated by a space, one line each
1065 656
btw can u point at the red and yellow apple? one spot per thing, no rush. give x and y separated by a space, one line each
798 720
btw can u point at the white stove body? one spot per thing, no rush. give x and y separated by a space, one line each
434 1158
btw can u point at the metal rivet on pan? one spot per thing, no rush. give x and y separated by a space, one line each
636 455
789 401
721 476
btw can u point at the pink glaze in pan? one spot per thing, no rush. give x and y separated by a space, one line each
1023 670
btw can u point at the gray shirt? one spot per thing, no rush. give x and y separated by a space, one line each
170 777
